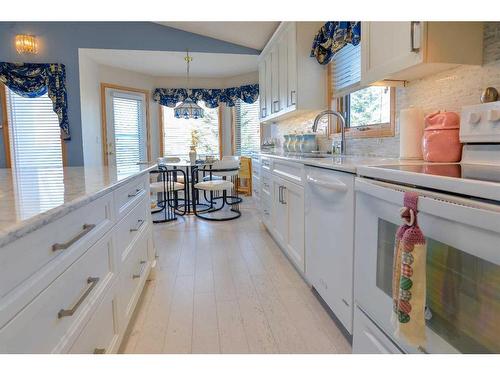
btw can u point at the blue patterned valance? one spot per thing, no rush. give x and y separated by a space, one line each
211 97
33 80
332 37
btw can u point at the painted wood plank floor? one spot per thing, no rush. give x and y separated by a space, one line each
228 288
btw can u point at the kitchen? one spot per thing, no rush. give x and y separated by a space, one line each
314 187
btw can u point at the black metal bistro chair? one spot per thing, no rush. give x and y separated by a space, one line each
215 185
168 190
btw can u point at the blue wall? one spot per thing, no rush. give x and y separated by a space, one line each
59 43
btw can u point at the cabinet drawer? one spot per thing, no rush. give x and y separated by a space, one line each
127 196
31 263
265 185
368 338
291 171
132 276
265 163
130 227
100 335
51 321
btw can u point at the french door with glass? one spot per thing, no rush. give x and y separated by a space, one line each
126 134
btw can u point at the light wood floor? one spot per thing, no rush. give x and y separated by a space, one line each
227 288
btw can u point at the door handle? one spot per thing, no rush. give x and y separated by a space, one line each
138 275
335 186
292 97
92 281
279 194
141 222
63 246
413 26
283 195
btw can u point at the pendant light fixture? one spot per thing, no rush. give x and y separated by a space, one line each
188 108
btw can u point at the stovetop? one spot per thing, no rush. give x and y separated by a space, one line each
487 173
471 180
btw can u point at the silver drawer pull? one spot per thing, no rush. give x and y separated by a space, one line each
138 275
99 351
93 282
137 191
62 246
140 221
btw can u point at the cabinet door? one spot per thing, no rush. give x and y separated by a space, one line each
279 212
275 79
262 89
293 197
291 65
268 85
283 71
389 47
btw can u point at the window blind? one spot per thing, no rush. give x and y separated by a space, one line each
346 70
246 128
130 131
178 134
34 132
35 143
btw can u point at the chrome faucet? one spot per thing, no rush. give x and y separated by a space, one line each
342 127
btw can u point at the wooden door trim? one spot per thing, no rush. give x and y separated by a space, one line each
104 140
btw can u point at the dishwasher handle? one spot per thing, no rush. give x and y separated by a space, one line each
335 186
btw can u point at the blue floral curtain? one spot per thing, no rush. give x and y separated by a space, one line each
211 97
33 80
332 37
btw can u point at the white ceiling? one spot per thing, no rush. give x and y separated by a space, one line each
172 64
248 34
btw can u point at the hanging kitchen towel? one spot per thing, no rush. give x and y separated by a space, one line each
408 283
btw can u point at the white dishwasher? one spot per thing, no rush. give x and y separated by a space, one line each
329 239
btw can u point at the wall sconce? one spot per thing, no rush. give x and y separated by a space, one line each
26 44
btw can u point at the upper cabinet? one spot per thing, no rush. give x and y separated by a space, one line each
290 81
411 50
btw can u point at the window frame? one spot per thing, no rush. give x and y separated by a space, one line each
161 128
104 136
6 135
381 130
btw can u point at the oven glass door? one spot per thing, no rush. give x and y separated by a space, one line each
463 273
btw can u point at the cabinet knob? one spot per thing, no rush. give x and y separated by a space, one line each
474 118
493 115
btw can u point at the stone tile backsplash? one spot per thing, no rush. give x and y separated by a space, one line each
449 90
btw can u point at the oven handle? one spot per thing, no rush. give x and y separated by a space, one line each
335 186
364 184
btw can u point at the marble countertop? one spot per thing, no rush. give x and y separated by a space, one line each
33 197
345 163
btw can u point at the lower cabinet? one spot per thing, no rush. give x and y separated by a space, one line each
101 334
287 219
368 338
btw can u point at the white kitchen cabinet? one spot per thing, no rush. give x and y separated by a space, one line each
275 80
329 230
283 71
267 86
294 80
279 213
369 339
288 219
262 92
411 50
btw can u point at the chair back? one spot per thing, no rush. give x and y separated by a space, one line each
245 167
231 163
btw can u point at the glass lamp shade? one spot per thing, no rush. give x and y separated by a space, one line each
188 109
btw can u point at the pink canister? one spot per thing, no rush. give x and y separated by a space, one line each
441 142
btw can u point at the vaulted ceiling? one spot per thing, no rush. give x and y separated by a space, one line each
248 34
